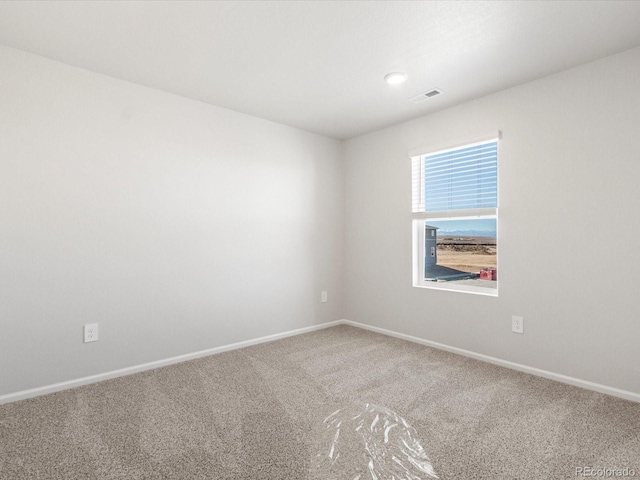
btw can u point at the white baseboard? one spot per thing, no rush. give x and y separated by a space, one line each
56 387
616 392
35 392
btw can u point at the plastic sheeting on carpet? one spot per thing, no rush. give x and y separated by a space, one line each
370 443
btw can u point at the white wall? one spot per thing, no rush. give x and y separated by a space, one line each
176 225
569 232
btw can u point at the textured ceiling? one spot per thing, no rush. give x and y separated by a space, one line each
319 66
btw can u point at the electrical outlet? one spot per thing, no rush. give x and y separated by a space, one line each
323 296
517 324
90 332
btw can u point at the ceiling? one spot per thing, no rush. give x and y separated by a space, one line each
319 66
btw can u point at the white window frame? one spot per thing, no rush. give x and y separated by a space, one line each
419 220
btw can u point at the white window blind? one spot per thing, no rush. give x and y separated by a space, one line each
457 179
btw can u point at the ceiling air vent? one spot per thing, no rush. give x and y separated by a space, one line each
426 95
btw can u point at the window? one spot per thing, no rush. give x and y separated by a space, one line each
455 218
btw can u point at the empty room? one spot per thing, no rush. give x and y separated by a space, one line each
319 240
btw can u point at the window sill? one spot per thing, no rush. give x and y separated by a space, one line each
488 292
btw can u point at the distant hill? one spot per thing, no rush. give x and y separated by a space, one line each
467 233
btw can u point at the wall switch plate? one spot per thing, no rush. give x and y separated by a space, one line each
323 296
90 332
517 324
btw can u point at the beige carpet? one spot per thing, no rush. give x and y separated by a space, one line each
264 412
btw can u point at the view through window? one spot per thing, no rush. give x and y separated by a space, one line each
455 211
462 251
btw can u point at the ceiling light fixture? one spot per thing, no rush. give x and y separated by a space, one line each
395 78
